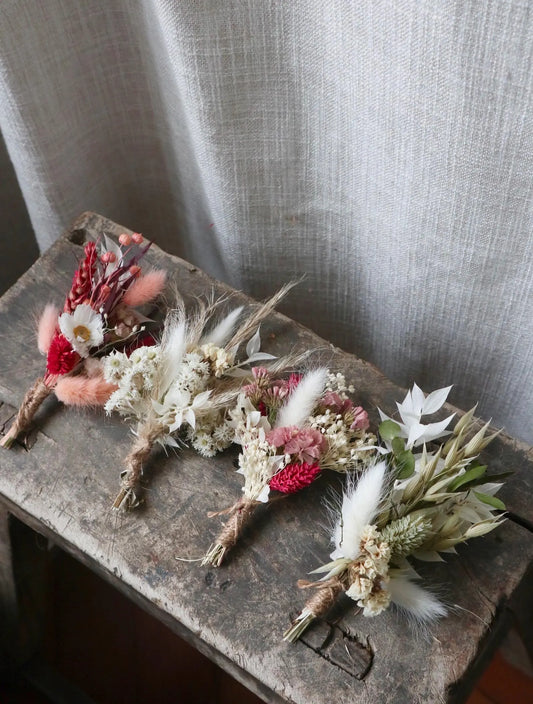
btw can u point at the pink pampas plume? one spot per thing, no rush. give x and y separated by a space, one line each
81 391
47 327
146 288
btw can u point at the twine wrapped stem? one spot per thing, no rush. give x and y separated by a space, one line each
240 514
130 495
317 606
28 408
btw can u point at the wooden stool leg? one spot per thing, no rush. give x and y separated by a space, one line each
8 596
522 609
22 591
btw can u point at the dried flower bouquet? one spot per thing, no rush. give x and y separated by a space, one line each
98 313
178 391
289 430
406 506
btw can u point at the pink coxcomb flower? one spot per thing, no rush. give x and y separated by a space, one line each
294 477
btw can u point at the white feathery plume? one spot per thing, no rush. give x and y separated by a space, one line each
221 333
172 348
416 602
301 402
360 505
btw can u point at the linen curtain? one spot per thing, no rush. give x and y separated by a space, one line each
384 148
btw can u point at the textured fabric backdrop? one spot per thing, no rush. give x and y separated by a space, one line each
383 147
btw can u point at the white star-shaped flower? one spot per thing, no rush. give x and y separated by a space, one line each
413 407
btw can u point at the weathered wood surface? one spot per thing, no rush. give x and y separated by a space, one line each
64 487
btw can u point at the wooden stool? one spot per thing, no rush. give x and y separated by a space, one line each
63 489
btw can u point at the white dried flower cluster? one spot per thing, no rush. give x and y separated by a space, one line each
368 574
346 447
257 463
221 360
186 399
134 375
194 373
212 435
337 384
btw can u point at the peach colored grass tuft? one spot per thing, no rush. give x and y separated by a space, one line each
46 327
81 391
146 288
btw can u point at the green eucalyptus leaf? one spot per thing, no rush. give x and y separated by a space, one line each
405 460
490 500
388 429
469 476
398 445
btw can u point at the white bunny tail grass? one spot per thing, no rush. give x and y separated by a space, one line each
303 399
418 604
360 505
222 331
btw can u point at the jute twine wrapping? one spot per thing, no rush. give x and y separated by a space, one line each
240 514
324 598
31 402
130 493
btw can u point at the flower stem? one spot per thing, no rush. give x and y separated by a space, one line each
29 406
301 624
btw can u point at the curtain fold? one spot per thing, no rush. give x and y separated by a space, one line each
382 148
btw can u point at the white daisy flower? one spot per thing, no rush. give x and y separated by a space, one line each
83 328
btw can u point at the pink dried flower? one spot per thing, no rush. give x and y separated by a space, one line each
275 395
47 327
306 444
333 401
361 421
146 288
83 391
293 381
125 239
137 237
294 477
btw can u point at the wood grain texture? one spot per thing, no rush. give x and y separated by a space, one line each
64 486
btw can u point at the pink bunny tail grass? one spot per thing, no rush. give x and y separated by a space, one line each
146 288
47 327
80 391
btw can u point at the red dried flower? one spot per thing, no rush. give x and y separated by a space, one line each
61 357
294 477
